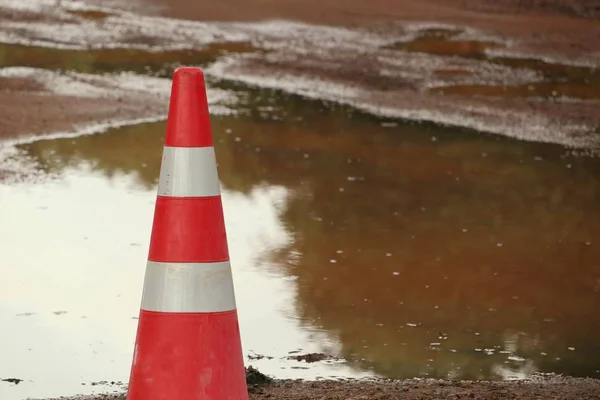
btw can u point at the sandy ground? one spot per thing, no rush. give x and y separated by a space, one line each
553 388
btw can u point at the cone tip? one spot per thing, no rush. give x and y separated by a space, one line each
188 122
188 73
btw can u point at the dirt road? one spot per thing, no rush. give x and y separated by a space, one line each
552 388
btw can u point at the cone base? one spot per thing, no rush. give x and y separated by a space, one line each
188 356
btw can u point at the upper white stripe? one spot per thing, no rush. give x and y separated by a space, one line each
188 172
188 287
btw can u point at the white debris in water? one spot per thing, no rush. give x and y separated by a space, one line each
396 273
571 348
516 358
411 324
16 168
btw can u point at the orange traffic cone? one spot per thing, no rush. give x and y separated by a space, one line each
188 342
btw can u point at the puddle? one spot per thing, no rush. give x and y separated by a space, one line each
558 79
440 42
584 90
157 63
407 250
94 15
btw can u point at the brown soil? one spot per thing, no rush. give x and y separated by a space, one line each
382 390
29 108
28 111
553 26
554 388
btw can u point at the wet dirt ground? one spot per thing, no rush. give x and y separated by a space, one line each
560 26
562 388
475 260
492 77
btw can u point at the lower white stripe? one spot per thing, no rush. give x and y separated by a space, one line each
188 287
188 172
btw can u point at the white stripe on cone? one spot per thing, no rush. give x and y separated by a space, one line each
188 287
188 172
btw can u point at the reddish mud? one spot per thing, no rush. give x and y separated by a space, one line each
37 101
550 26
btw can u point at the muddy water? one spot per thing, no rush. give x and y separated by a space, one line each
404 249
429 252
158 63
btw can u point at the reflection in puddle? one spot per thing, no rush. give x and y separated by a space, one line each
423 249
68 242
408 250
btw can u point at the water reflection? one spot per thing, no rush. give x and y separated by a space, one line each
74 246
423 251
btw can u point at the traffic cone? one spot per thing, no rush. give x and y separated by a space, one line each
188 342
